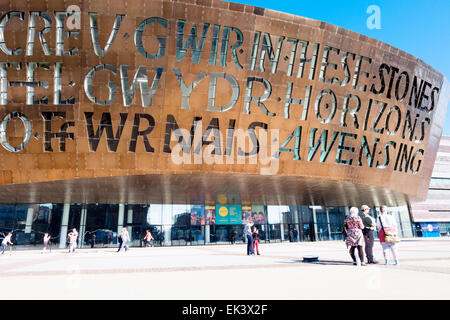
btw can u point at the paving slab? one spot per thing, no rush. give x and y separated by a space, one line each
226 272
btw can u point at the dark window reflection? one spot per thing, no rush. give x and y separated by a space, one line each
174 225
101 225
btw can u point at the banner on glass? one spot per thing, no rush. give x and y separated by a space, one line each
228 214
198 215
210 213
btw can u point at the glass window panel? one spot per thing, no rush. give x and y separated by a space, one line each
179 235
180 215
155 212
44 216
307 232
23 234
101 224
74 217
166 229
21 216
273 214
322 232
336 215
166 210
444 229
306 214
321 215
274 231
285 214
336 232
287 234
54 228
197 235
224 233
295 214
7 218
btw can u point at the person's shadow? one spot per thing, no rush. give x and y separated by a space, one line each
329 262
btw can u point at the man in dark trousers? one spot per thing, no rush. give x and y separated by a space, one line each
248 234
368 232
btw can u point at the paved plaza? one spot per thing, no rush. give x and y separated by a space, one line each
226 272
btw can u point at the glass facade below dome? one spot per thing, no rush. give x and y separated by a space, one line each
177 224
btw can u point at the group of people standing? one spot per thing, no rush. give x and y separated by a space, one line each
359 231
251 232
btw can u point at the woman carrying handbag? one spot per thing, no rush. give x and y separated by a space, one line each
387 227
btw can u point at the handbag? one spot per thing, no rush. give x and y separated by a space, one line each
389 237
345 230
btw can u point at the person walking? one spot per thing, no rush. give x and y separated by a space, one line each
73 236
148 237
124 237
248 234
6 241
255 236
295 234
233 237
386 224
368 232
45 241
93 237
355 238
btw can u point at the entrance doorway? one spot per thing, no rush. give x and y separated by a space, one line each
307 233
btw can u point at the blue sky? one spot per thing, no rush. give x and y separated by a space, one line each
421 28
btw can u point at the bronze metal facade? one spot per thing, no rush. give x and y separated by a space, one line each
95 103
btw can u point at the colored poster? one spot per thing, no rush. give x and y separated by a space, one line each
198 215
253 213
246 214
258 214
221 214
228 214
235 215
210 214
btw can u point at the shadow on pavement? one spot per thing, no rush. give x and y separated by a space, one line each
329 262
